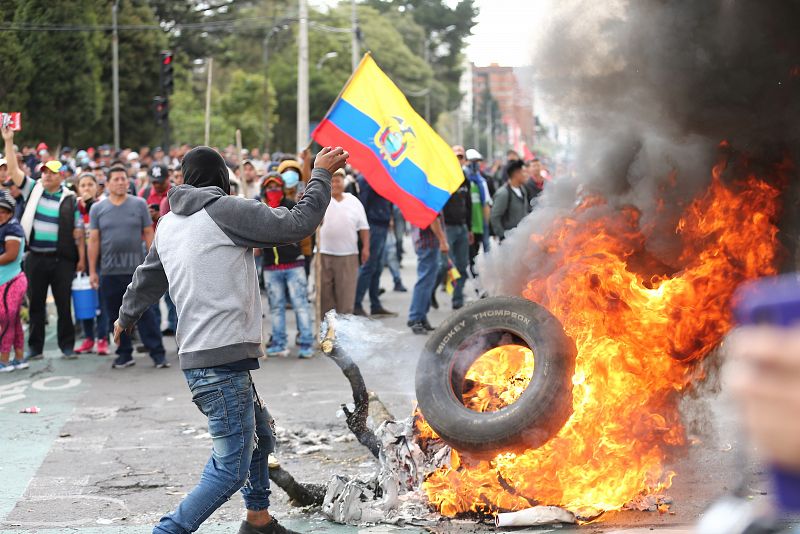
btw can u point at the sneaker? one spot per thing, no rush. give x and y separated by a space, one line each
273 527
7 367
418 327
102 347
121 363
19 364
305 352
163 365
400 288
358 310
86 346
30 355
168 332
277 352
69 354
427 325
382 312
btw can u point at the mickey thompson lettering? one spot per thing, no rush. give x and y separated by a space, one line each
478 316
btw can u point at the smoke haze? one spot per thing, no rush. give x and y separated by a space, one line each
653 87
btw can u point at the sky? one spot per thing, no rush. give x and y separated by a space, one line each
505 33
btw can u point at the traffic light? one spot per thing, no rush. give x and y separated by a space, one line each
167 82
161 109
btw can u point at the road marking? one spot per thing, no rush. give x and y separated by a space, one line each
16 390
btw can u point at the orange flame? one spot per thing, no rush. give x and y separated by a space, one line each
635 335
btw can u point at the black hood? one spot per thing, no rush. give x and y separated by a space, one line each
203 167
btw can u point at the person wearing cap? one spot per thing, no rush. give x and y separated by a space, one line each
284 275
203 253
54 232
457 215
156 191
481 203
117 228
293 175
249 179
344 223
13 285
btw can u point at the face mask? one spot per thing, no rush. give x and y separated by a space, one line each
290 179
274 198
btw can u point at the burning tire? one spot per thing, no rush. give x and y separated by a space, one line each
540 410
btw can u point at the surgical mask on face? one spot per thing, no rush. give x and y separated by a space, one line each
290 179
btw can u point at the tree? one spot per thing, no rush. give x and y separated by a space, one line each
65 93
15 65
139 66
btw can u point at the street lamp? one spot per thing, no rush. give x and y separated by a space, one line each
326 57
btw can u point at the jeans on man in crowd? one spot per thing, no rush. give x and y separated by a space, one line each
458 240
112 287
427 272
293 281
97 327
369 275
43 271
242 434
172 313
390 259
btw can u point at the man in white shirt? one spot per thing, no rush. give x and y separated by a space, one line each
345 221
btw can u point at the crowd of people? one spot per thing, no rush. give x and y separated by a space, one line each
94 212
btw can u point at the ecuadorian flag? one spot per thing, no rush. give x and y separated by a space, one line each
398 153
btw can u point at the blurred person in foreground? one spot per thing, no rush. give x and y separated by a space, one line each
54 232
284 275
344 223
203 253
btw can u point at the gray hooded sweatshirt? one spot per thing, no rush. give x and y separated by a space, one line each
203 253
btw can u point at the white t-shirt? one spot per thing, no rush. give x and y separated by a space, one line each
338 234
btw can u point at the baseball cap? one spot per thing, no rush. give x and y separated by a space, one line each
3 162
473 155
40 147
158 173
288 164
133 155
53 165
272 177
7 201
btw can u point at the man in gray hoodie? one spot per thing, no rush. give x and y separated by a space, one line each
203 254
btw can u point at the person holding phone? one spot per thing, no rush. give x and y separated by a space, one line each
203 253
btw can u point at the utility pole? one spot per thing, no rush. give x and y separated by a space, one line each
355 47
302 78
210 68
115 71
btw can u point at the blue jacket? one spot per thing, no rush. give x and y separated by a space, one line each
379 210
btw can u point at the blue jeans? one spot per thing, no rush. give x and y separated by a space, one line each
97 328
390 258
242 435
369 275
277 283
427 272
112 287
458 241
172 313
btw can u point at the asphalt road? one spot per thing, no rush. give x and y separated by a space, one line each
112 450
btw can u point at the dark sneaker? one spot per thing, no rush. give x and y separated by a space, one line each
358 310
400 288
69 354
273 527
168 332
383 312
19 364
418 327
30 355
121 363
427 325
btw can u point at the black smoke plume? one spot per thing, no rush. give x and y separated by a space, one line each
653 87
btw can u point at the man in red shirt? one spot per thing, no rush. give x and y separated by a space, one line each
159 185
